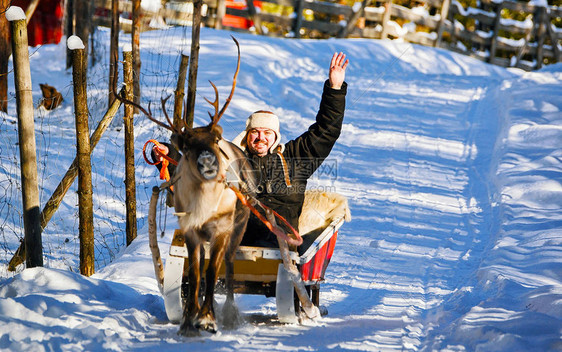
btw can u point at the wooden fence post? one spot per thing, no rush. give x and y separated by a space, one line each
130 184
541 17
31 10
352 22
91 31
386 18
221 11
454 32
85 206
298 21
26 132
135 33
179 93
495 29
69 28
521 52
553 37
5 52
113 50
82 24
193 63
440 27
254 17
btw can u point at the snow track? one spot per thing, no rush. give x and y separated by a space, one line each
417 222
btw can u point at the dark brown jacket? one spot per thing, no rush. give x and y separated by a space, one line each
302 156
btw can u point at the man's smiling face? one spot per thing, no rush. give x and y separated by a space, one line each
260 140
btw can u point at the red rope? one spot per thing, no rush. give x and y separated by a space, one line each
161 152
273 228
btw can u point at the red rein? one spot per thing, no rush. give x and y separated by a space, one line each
273 228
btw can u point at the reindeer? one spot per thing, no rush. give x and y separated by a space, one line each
207 209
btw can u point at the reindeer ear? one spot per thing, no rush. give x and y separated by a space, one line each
176 141
217 131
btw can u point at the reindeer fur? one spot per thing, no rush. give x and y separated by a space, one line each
209 212
320 209
201 197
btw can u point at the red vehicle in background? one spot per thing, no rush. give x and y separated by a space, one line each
237 21
46 23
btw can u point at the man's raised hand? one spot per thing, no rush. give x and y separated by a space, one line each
338 64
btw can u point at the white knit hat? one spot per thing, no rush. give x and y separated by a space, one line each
260 119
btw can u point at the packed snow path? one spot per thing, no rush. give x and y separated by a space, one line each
415 173
452 169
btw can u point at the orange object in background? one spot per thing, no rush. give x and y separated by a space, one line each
237 21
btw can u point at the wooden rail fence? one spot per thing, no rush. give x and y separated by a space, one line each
487 34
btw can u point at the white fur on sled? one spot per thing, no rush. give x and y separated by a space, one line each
320 209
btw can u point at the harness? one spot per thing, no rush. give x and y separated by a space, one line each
244 199
285 167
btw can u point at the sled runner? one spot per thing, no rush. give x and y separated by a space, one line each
260 270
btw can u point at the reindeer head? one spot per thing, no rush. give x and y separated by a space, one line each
199 145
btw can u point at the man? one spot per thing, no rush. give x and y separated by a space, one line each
283 169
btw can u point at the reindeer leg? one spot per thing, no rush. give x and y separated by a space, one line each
203 284
230 313
206 319
231 316
191 308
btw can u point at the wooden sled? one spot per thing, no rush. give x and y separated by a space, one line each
260 270
257 270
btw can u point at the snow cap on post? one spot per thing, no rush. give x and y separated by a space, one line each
127 48
15 13
74 42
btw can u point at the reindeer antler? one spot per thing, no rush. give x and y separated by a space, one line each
170 126
175 128
214 103
218 114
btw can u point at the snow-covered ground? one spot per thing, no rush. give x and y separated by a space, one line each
452 168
